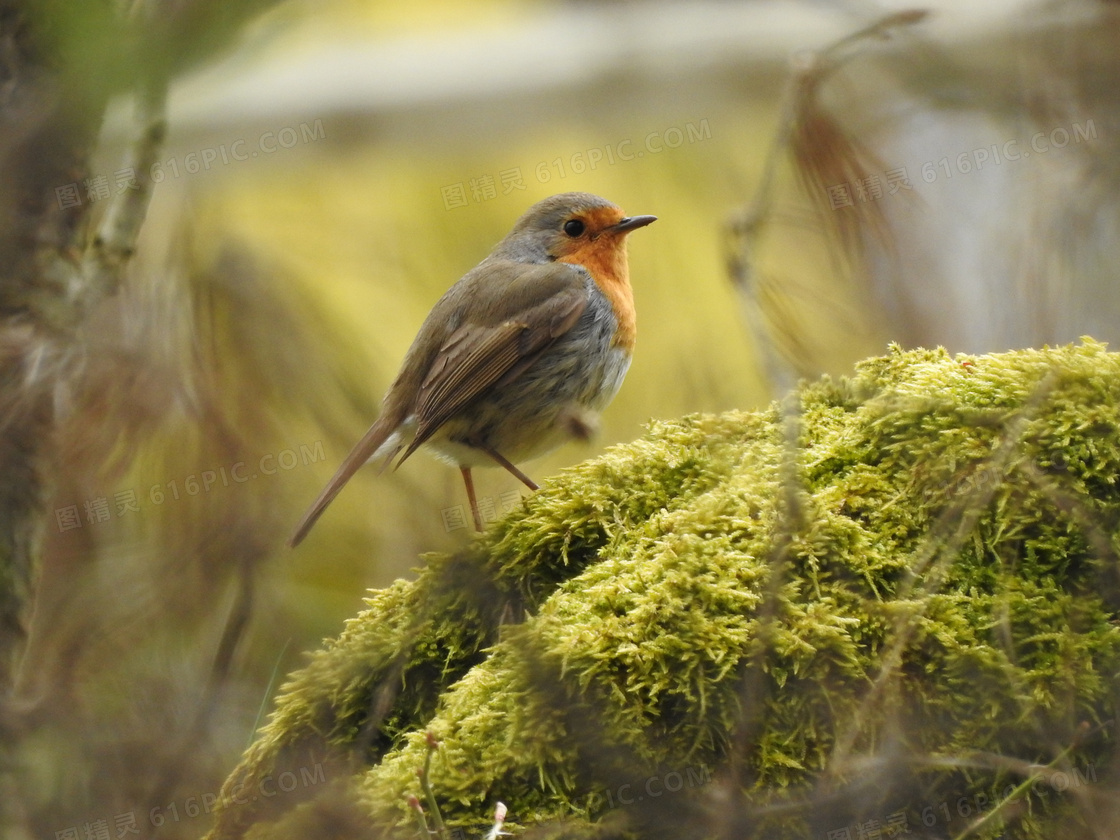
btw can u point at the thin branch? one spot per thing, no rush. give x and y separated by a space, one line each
803 126
115 242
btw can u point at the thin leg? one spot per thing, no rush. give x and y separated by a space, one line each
497 456
467 480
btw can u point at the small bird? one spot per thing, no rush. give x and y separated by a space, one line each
518 356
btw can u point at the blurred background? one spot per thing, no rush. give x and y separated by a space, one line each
828 177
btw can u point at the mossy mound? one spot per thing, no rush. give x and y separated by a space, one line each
891 608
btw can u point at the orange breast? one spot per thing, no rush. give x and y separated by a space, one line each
605 259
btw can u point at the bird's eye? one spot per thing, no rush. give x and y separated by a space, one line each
574 228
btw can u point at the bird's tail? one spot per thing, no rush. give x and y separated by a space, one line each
378 435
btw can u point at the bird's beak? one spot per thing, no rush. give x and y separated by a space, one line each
632 223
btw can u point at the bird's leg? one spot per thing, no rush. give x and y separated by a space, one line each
469 482
497 456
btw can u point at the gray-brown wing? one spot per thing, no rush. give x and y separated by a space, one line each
479 354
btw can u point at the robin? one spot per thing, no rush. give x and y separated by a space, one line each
518 356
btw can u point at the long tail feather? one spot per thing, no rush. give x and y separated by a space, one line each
378 433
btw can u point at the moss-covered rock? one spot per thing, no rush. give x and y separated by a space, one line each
892 605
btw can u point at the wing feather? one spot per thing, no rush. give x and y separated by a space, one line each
478 355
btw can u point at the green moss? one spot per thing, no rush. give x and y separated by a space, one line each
932 596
